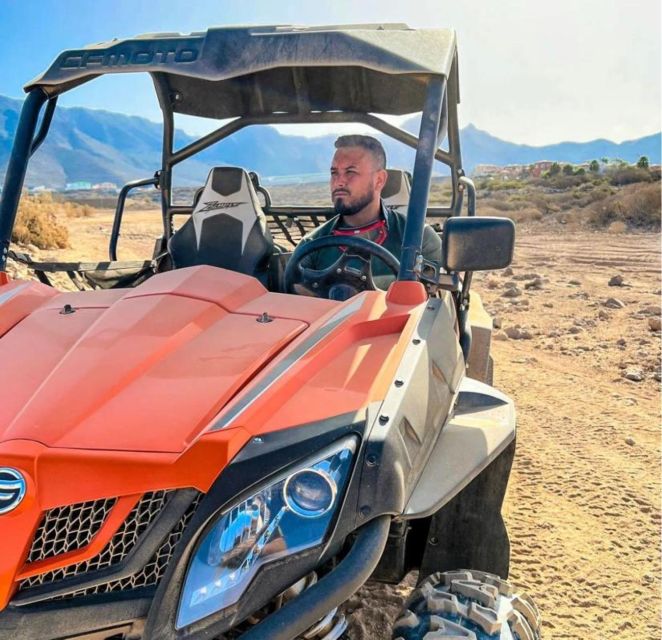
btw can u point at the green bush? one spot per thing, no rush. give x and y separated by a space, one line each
554 170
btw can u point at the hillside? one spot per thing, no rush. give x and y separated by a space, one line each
99 146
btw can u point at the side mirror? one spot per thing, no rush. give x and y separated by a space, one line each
477 244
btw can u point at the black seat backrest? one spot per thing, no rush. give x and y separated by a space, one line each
227 227
395 193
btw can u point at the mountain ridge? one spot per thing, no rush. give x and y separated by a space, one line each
103 146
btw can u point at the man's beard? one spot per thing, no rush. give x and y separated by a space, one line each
352 208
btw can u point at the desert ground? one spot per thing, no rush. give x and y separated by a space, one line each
583 503
581 358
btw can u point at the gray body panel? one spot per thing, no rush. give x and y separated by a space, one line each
480 429
402 430
478 363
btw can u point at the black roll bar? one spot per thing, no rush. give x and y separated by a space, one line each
313 117
443 112
45 125
119 211
420 189
446 121
24 145
165 99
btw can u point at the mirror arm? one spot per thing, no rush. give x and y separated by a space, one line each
463 313
466 184
119 211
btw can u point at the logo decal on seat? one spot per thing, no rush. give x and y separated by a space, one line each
214 205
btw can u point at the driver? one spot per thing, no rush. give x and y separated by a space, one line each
358 175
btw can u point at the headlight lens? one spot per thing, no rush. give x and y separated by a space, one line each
290 515
310 493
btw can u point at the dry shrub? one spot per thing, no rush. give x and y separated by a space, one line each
561 181
499 204
636 206
627 174
487 210
575 218
565 200
74 210
600 193
617 227
528 214
37 224
543 203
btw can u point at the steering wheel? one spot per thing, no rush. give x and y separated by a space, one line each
342 279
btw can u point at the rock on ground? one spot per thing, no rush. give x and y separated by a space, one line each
614 303
634 373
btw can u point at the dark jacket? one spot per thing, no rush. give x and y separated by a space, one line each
395 229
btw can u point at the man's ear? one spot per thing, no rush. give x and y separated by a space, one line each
380 179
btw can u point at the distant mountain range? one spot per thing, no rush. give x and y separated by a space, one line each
99 146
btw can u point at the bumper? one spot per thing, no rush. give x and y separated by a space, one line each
54 621
100 616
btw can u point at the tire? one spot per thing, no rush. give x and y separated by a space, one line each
463 605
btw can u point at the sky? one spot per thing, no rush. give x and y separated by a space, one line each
531 71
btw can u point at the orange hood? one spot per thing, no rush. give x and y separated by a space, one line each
138 370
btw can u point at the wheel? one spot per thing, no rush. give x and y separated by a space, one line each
467 604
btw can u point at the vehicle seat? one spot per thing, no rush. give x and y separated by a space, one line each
395 193
227 227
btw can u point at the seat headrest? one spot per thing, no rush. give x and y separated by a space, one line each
228 191
226 185
397 188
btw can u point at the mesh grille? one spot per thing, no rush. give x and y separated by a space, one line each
147 508
69 528
153 571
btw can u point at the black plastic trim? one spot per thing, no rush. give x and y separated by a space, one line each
261 459
59 620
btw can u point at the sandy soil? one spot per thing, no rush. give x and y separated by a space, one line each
583 505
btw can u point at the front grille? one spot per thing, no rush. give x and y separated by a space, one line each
153 571
122 543
69 528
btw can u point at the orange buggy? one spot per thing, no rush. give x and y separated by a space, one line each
188 448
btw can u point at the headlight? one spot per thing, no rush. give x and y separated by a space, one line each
291 514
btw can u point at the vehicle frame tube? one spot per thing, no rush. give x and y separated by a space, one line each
17 167
331 591
418 201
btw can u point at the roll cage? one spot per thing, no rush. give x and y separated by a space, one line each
265 76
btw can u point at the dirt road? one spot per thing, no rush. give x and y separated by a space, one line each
583 506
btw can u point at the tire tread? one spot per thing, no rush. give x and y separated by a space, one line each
473 600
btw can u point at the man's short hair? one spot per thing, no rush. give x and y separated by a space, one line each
368 143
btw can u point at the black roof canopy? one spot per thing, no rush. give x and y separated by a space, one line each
254 71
